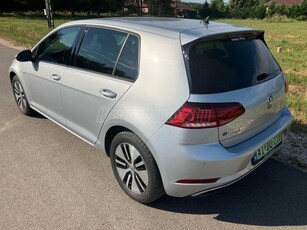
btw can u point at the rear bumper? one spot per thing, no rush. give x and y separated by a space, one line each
178 161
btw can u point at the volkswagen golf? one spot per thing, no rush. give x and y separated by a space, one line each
180 106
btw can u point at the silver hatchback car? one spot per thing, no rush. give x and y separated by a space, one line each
181 106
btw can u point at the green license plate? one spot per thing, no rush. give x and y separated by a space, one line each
266 149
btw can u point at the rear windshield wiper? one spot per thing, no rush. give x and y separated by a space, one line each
263 76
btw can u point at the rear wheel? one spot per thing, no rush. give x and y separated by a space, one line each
20 97
135 168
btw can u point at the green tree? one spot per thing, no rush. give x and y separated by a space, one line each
153 7
258 10
21 5
242 3
294 11
205 10
303 8
281 9
165 7
240 8
217 8
271 10
160 7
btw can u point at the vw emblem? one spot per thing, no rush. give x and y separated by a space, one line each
270 100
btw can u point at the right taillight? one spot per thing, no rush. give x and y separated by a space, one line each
205 115
286 84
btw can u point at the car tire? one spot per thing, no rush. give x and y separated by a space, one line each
135 168
20 97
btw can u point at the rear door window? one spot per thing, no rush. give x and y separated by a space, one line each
226 65
100 49
127 66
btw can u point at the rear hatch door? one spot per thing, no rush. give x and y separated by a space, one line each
236 67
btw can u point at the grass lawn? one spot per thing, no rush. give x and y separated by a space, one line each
291 36
23 31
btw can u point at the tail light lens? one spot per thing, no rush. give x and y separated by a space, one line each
205 115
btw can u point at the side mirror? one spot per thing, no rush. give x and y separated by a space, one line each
24 56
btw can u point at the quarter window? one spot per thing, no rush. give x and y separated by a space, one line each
57 47
100 49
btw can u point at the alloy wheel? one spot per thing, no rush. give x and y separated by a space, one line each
131 168
20 95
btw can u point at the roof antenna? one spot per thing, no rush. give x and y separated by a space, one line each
207 20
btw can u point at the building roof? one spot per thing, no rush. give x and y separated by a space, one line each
182 6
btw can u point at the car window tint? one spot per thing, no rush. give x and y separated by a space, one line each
57 47
221 66
100 49
127 65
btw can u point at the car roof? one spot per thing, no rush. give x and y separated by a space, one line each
188 29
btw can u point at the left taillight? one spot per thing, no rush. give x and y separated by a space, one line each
205 115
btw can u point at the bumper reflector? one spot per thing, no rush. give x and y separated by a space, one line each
198 181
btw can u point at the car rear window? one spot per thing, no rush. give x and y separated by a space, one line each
226 65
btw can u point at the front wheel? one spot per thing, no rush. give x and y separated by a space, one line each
135 168
20 97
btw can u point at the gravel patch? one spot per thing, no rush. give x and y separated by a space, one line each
294 151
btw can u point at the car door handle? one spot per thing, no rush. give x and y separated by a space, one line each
55 77
108 93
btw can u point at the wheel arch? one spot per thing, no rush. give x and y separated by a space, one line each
116 129
11 75
110 134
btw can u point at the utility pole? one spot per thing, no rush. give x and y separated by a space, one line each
48 14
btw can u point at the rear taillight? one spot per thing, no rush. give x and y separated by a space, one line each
286 84
205 115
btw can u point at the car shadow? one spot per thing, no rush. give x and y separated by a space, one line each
273 195
38 115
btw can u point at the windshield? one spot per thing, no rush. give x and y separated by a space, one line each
226 65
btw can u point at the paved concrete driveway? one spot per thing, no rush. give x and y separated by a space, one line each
50 179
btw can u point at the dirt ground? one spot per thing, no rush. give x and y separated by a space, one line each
294 151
